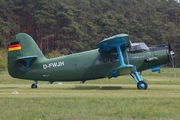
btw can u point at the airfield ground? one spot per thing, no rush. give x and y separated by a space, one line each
104 99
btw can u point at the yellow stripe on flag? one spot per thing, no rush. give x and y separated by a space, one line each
14 48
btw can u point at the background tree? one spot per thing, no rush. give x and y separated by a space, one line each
58 25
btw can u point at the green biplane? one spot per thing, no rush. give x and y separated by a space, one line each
114 56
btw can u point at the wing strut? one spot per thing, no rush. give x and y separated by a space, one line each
121 60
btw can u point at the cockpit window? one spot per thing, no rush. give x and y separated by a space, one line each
138 47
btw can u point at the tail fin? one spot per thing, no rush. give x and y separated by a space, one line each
22 52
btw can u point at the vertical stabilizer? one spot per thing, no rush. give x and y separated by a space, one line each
22 52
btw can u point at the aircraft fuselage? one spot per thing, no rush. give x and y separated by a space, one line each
90 65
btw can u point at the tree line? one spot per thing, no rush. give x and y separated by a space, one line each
78 25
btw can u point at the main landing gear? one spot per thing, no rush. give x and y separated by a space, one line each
141 85
34 85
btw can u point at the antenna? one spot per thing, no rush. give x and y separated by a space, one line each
70 51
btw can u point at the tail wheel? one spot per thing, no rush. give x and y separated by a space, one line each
142 85
34 85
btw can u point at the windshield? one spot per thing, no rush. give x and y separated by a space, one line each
138 47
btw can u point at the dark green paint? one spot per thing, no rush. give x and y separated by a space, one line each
75 67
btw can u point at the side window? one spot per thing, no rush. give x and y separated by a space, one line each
135 48
138 47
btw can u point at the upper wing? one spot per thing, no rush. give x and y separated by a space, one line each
121 40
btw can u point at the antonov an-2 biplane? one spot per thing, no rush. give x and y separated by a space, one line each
114 56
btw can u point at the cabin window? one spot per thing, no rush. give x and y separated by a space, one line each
138 47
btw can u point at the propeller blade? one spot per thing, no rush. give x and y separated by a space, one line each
171 57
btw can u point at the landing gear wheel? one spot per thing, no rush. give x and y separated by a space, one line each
142 85
34 85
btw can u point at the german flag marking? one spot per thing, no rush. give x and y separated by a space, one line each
14 46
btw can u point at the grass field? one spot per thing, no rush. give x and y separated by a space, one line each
114 99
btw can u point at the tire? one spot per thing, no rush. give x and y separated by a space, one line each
34 86
142 85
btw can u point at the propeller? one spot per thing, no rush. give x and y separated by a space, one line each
171 57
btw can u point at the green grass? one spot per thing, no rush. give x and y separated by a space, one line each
104 99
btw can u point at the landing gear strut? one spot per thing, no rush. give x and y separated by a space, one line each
141 85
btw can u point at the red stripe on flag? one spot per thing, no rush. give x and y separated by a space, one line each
16 45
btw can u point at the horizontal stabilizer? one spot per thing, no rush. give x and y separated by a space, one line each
27 57
117 40
27 60
121 70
